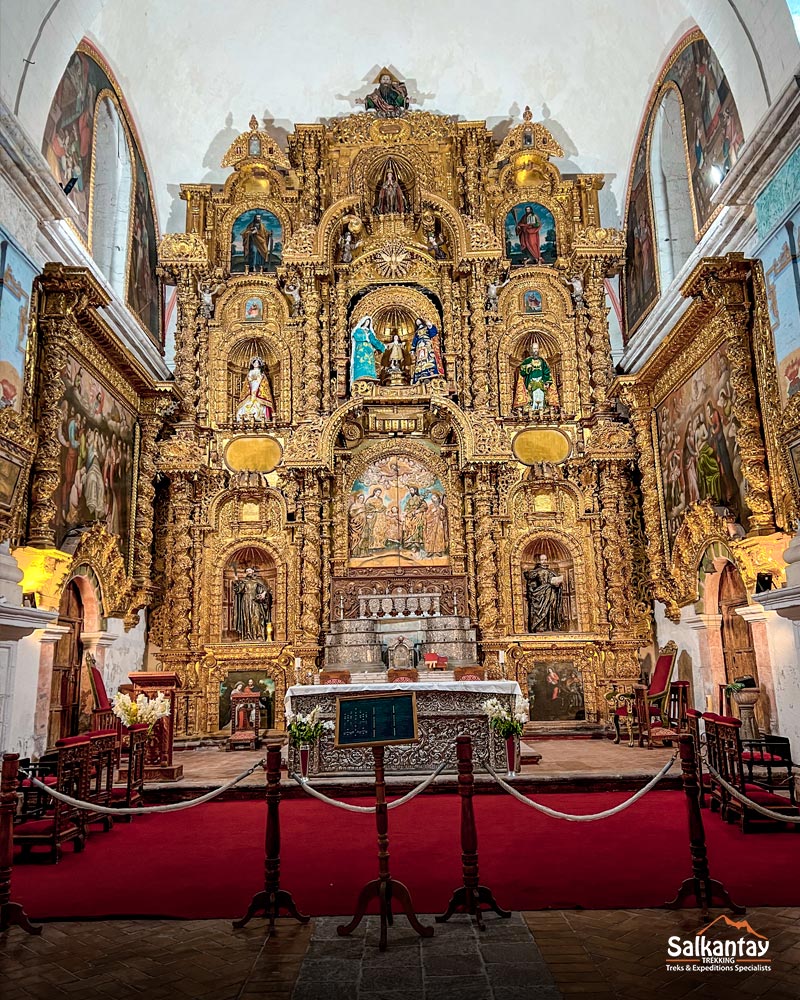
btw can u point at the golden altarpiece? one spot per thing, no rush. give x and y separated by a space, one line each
366 423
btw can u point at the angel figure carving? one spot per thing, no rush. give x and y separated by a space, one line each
207 295
292 291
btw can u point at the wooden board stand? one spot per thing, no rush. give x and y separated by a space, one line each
700 885
471 897
272 899
384 888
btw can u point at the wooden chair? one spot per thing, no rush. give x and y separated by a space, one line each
62 822
655 731
657 693
102 765
129 795
731 768
769 754
33 802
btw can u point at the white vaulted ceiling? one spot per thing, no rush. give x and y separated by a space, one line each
193 71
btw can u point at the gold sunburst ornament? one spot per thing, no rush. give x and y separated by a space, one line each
393 259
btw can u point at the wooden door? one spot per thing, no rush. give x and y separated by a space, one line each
65 691
737 635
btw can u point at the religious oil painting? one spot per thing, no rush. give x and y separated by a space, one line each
254 310
16 283
256 242
697 444
555 690
96 434
144 293
9 480
249 681
398 516
530 232
641 283
532 301
782 280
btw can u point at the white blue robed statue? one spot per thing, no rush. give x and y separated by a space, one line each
366 348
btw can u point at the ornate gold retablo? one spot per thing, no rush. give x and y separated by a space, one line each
541 444
253 453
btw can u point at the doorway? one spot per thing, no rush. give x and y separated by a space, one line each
65 692
737 635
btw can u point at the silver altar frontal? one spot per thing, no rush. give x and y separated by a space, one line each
445 710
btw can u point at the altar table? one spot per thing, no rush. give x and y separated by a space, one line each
445 710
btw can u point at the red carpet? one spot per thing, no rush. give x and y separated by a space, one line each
208 861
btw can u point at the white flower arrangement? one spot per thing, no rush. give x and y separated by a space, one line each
502 721
306 730
144 711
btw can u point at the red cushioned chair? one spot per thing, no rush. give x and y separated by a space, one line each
657 692
33 801
770 754
63 822
732 770
102 765
129 795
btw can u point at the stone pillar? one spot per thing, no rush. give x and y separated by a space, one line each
710 672
47 638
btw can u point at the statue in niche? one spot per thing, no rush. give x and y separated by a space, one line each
426 353
256 402
543 591
534 382
253 606
396 368
389 99
347 244
366 349
391 198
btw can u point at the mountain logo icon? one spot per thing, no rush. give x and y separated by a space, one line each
738 925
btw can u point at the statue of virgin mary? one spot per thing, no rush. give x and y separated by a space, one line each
256 402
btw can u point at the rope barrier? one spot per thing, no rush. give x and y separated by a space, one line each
140 810
769 813
589 817
304 784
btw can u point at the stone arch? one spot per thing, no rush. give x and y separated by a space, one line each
583 578
91 592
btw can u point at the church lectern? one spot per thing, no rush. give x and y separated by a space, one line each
158 762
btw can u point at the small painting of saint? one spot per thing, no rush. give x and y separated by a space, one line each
532 301
256 242
530 232
254 311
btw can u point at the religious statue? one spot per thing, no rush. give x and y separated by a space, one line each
347 244
258 243
292 291
543 593
389 99
533 381
391 197
435 244
425 352
492 294
207 293
253 605
256 402
366 349
575 284
528 230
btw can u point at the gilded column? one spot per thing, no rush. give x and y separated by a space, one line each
182 569
150 423
312 349
599 343
486 558
480 368
311 561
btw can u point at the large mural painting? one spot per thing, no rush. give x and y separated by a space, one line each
713 135
782 280
68 148
96 434
16 281
697 444
398 516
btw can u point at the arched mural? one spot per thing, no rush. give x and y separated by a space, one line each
530 232
69 148
713 136
397 516
256 242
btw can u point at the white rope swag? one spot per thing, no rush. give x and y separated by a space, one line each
589 817
141 810
303 783
769 813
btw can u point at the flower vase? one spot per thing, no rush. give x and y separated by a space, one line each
511 756
305 750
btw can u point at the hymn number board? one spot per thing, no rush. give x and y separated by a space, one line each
376 720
